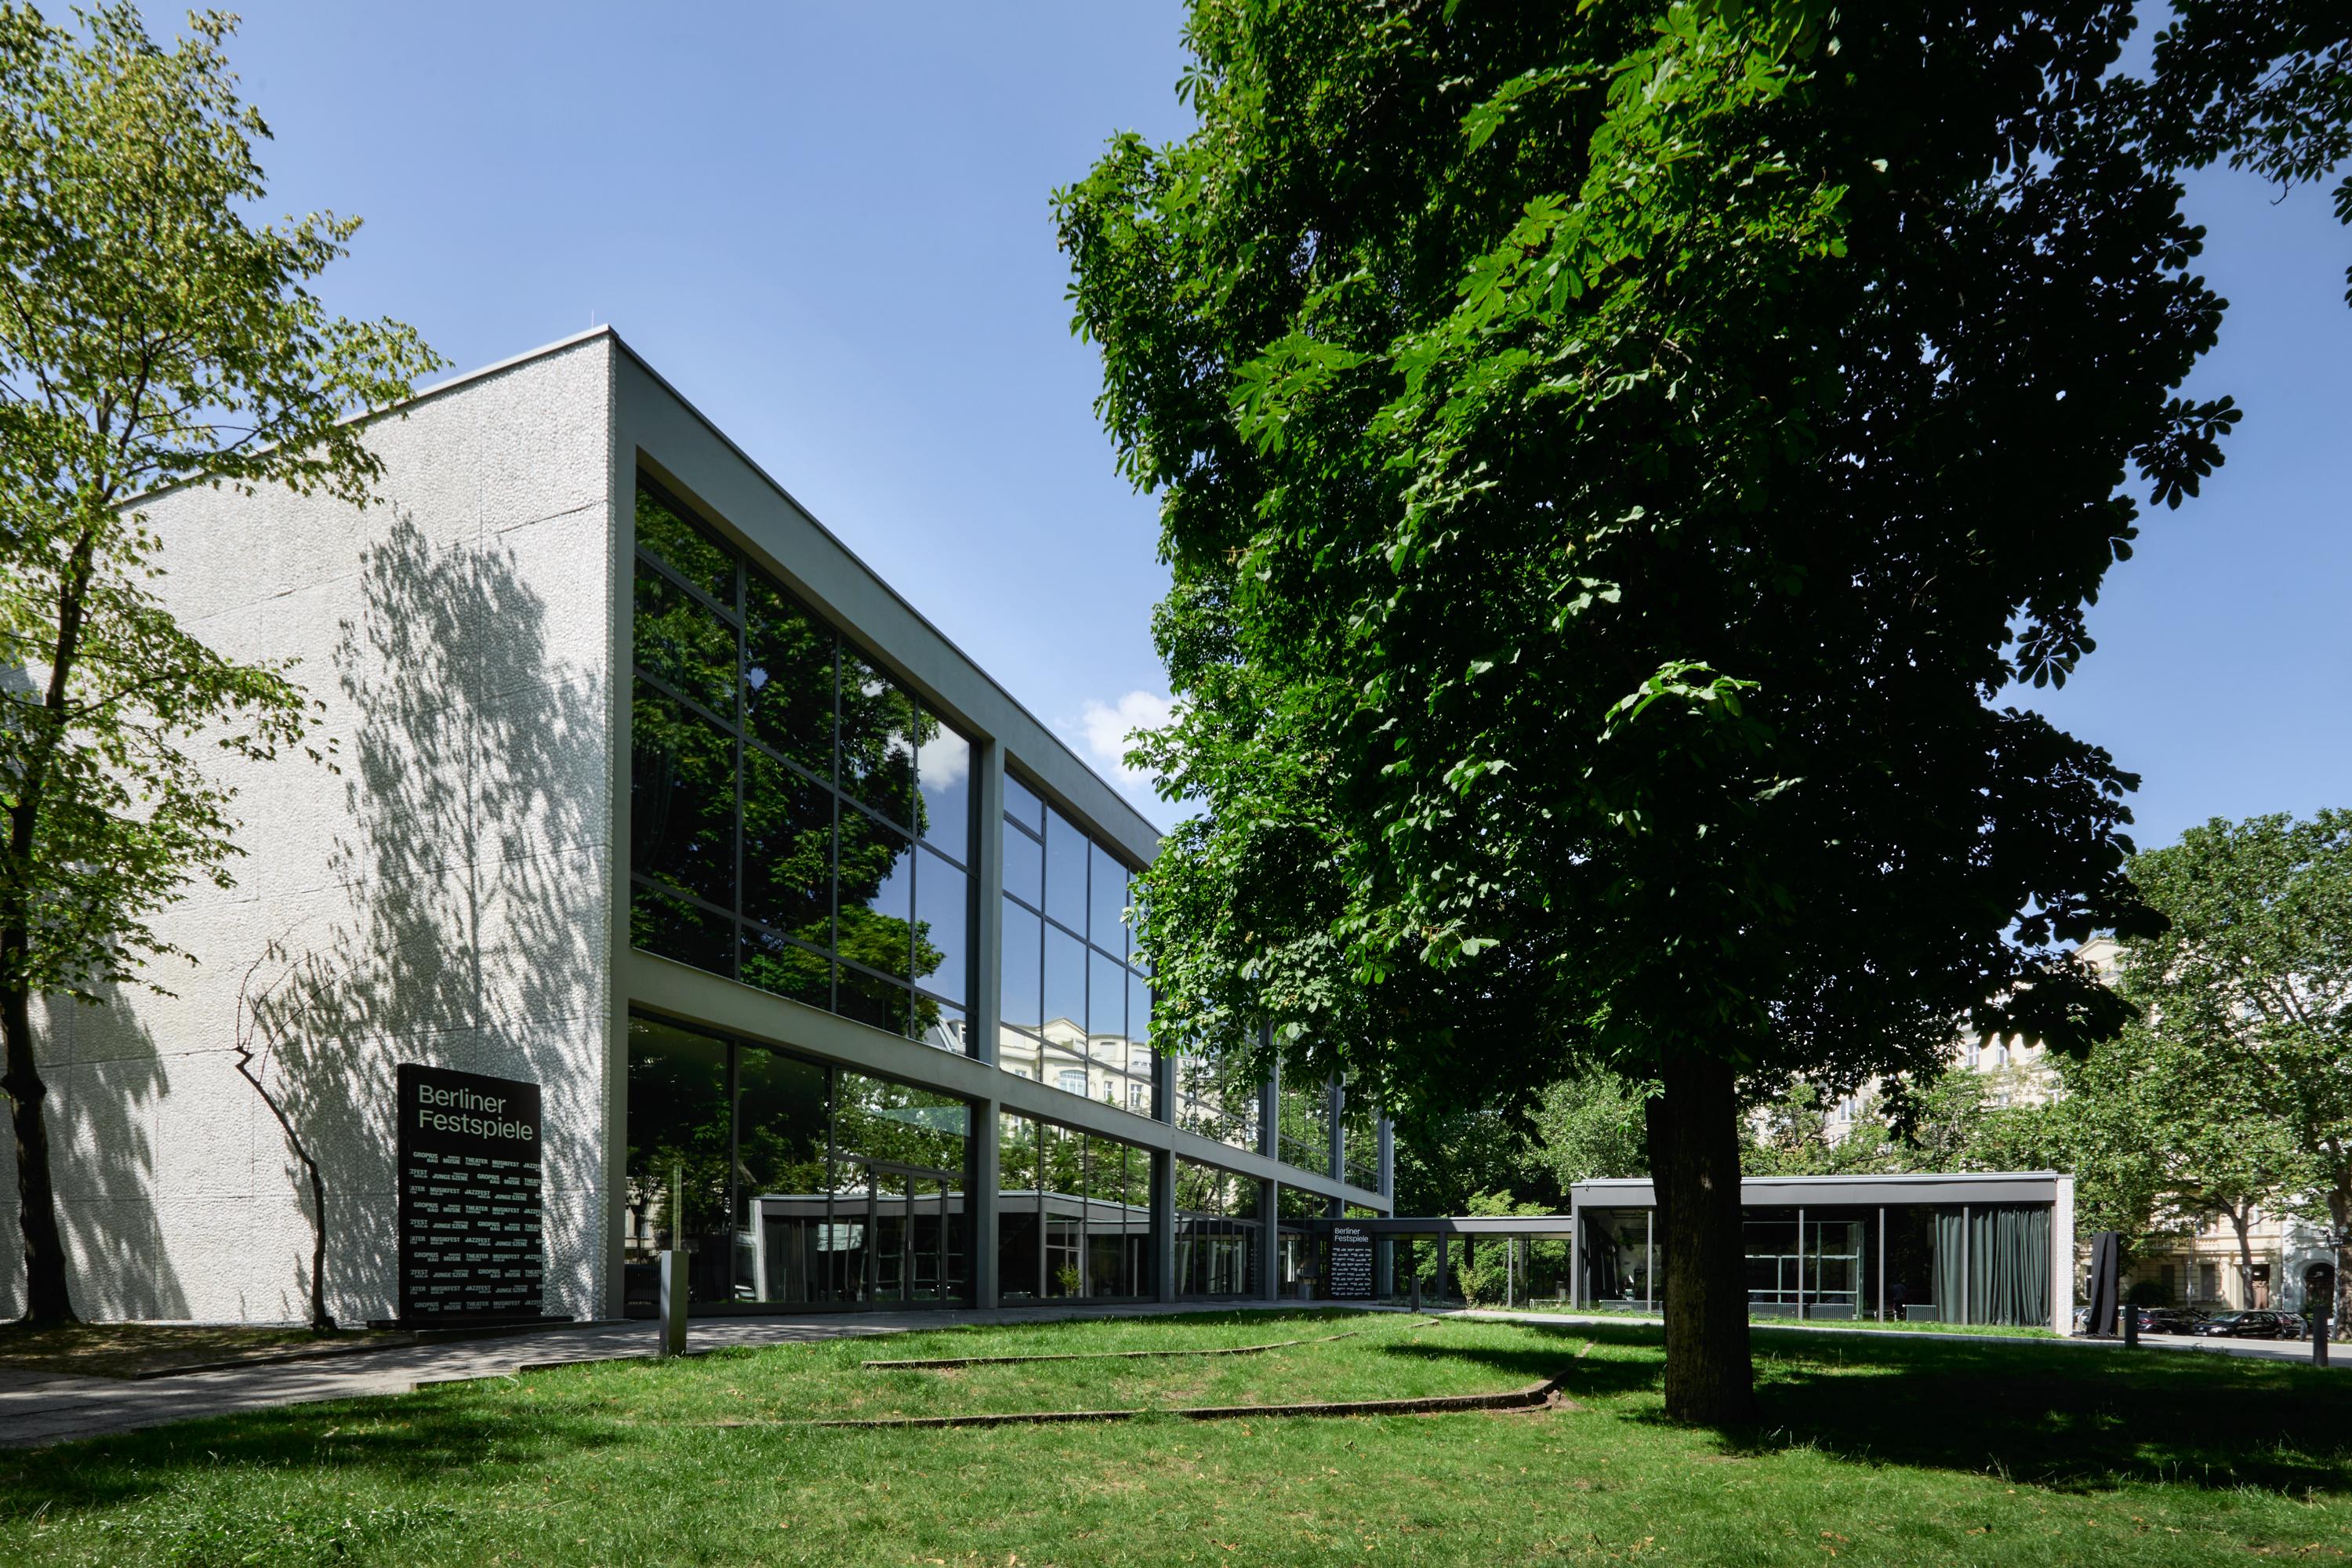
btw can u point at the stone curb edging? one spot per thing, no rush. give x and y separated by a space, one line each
1533 1395
941 1363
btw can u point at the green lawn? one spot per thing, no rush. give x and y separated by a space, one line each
1879 1450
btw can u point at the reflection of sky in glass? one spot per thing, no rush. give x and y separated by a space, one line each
939 906
1107 1001
1065 871
943 770
1025 867
896 896
1108 906
1066 978
1022 933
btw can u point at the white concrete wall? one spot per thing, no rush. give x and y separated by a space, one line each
445 897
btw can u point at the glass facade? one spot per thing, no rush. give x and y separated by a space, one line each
1217 1097
1219 1218
1077 1009
1306 1127
1073 1213
803 823
788 1182
799 820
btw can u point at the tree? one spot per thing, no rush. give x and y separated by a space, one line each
1612 460
150 334
2263 85
2248 1001
1589 1129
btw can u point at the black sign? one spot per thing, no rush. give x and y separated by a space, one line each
1351 1273
469 1210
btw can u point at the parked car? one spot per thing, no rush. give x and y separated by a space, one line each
2256 1323
2167 1319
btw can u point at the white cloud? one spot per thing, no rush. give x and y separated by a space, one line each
942 761
1109 725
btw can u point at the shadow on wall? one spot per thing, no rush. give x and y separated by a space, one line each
471 931
103 1147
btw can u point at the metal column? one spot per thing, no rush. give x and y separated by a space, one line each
1882 1263
983 1176
1163 1223
1649 1261
1801 1263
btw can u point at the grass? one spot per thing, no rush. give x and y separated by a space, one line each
128 1350
1884 1452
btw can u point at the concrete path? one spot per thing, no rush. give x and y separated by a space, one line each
38 1408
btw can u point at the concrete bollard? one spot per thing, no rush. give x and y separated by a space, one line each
673 1303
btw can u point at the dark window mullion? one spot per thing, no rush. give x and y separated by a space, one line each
670 575
743 645
691 705
832 866
647 879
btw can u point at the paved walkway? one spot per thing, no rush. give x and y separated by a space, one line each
38 1408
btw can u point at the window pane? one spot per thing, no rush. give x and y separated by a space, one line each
1017 1054
686 548
1065 871
1138 1013
788 678
1066 984
787 850
1062 1066
681 799
678 1128
940 1026
659 923
1025 867
1020 1230
1106 1010
943 771
883 1120
775 965
886 1005
1023 956
877 918
1022 805
943 934
1106 904
684 644
780 1119
877 740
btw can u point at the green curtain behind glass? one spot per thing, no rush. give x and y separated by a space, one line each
2010 1248
1950 1262
2005 1253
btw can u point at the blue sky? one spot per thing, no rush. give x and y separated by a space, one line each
828 226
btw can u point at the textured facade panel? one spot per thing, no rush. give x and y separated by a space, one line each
440 894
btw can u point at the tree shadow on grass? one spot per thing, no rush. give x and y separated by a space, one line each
1554 1356
2057 1416
420 1439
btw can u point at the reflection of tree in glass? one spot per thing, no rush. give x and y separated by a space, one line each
811 871
677 1120
906 1126
1217 1094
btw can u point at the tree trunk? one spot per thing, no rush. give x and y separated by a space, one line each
2238 1218
1694 1136
45 1299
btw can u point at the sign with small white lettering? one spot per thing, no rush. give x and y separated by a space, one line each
1351 1263
469 1200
